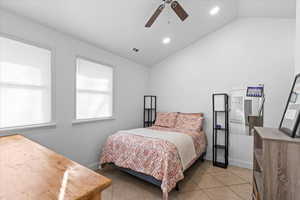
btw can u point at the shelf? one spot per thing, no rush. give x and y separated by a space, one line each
221 129
259 158
220 146
219 164
149 110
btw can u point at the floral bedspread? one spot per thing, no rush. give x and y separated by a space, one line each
155 157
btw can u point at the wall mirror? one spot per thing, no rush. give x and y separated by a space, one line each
246 109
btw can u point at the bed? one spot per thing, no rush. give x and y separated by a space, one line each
159 154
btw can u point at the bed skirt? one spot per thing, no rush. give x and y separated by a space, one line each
151 179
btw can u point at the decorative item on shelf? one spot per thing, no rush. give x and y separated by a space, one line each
149 110
256 120
290 120
218 126
220 107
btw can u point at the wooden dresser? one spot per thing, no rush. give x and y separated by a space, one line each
276 163
29 171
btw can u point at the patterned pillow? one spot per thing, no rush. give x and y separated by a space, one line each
190 121
166 119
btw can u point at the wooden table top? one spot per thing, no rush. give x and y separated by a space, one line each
33 172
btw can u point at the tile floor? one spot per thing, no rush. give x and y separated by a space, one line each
202 182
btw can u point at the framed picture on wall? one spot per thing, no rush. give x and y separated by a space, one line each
291 116
294 97
255 91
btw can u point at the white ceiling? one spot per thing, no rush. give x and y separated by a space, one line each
267 8
118 26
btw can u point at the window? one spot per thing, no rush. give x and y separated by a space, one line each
94 90
25 84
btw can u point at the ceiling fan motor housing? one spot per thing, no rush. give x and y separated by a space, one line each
176 7
168 1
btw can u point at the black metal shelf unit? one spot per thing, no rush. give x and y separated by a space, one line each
149 110
220 130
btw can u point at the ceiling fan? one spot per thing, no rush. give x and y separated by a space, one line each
177 8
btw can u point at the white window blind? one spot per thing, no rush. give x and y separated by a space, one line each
94 90
25 84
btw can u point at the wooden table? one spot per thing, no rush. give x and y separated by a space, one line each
29 171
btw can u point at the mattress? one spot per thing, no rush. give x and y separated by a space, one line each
151 156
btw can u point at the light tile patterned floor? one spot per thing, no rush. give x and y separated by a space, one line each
202 182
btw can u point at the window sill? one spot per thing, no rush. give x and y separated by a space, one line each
81 121
16 128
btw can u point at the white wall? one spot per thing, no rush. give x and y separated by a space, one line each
247 51
297 46
267 8
81 142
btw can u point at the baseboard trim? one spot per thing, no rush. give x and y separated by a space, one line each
232 161
241 163
236 162
93 166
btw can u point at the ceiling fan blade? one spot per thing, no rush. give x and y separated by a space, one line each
155 15
179 10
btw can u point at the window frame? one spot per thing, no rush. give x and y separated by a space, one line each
52 85
87 120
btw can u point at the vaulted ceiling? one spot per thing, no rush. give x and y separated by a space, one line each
118 26
267 8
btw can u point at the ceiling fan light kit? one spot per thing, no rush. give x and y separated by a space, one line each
176 7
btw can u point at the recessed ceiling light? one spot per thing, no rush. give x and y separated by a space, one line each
166 40
215 10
